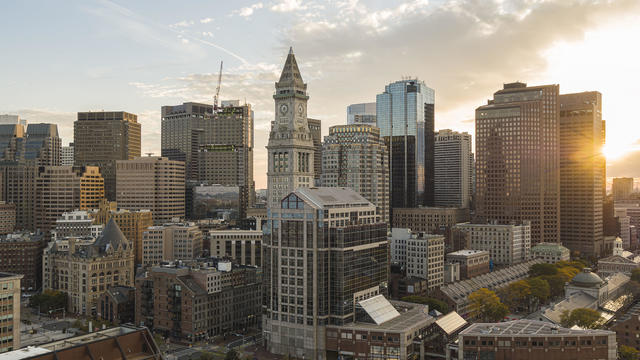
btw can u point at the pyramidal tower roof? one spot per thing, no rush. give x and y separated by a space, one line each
111 236
290 73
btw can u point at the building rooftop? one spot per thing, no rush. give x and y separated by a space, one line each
548 247
451 322
411 316
586 278
467 252
526 327
332 196
10 276
574 301
631 312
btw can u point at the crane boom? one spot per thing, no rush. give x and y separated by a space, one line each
217 95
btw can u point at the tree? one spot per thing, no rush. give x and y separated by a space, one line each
434 304
583 317
635 274
232 355
567 273
627 352
516 294
542 270
48 300
540 289
485 305
556 284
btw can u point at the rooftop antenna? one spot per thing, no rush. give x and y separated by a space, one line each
149 154
215 98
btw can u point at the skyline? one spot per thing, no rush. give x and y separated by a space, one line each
146 55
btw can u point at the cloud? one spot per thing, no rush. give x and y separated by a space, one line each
626 166
182 24
206 20
288 6
207 33
247 11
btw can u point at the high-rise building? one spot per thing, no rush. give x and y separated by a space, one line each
101 138
131 223
19 188
103 263
507 244
324 250
315 126
7 216
43 144
12 119
291 149
364 113
21 253
432 220
171 241
64 188
12 138
452 169
225 151
517 159
242 246
66 155
10 300
622 188
582 173
425 259
355 156
152 183
405 116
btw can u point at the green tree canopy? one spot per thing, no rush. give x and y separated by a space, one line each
48 300
516 294
635 274
485 305
434 304
627 353
583 317
542 270
539 288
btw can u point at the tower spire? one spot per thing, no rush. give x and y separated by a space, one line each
290 50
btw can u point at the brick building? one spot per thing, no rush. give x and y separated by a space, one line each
117 305
21 253
472 262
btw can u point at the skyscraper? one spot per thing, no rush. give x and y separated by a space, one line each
355 156
43 144
315 126
153 183
364 113
452 169
324 250
101 138
582 173
405 116
66 155
622 188
517 159
291 149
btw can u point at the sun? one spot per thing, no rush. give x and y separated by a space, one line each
613 151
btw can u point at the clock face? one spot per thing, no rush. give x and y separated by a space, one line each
284 108
300 109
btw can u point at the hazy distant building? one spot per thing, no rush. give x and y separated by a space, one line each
12 140
101 138
43 145
507 244
171 241
66 155
582 173
452 169
622 188
364 113
405 116
152 183
355 156
332 245
291 149
12 119
315 127
432 220
517 159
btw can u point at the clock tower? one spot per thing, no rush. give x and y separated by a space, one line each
290 145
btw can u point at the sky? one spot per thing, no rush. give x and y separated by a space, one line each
61 57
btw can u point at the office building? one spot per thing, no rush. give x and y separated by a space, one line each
452 169
12 139
132 223
291 149
534 340
171 241
315 126
550 253
507 244
200 300
101 138
430 220
333 248
225 151
109 343
472 262
21 253
75 223
364 113
66 155
627 327
355 156
582 173
622 188
243 247
85 269
425 259
12 120
517 159
7 216
405 116
63 188
10 302
152 183
43 145
19 188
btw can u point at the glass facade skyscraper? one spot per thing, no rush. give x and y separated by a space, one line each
405 116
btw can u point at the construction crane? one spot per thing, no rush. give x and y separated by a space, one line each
215 97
